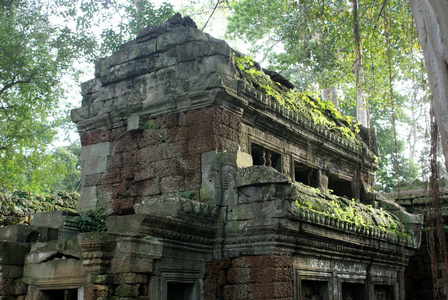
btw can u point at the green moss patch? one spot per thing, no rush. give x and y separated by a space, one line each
345 210
305 104
17 207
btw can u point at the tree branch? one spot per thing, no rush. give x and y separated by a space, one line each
216 6
380 14
13 83
4 109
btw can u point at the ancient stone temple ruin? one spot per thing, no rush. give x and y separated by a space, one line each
219 181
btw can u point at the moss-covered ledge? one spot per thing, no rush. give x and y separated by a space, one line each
303 107
385 220
388 222
305 104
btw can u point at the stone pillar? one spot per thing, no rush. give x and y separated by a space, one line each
94 158
322 180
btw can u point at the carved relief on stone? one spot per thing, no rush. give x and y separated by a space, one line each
97 251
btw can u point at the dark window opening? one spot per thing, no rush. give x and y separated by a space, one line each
340 186
180 291
305 174
265 157
71 294
383 292
352 291
314 290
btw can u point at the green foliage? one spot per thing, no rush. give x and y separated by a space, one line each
246 64
306 104
387 175
17 207
388 160
94 220
68 158
317 42
349 211
34 53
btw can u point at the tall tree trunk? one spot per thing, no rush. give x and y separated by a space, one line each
138 5
431 19
330 94
362 110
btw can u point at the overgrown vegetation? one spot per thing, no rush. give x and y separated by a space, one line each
17 207
311 43
34 55
347 210
93 220
305 104
375 57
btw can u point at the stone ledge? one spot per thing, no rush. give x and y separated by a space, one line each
176 207
257 175
27 233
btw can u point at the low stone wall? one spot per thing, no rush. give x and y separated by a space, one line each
17 207
416 196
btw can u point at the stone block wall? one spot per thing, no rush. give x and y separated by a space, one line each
250 277
175 92
163 158
418 274
117 286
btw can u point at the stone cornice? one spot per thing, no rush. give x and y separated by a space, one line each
302 237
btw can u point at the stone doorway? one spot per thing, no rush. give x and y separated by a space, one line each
69 294
314 290
180 285
352 291
180 290
384 292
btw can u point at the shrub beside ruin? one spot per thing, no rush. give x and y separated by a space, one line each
17 207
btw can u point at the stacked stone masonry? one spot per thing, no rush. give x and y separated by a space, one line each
250 277
162 159
211 189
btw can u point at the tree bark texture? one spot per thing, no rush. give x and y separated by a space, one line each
330 94
431 19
